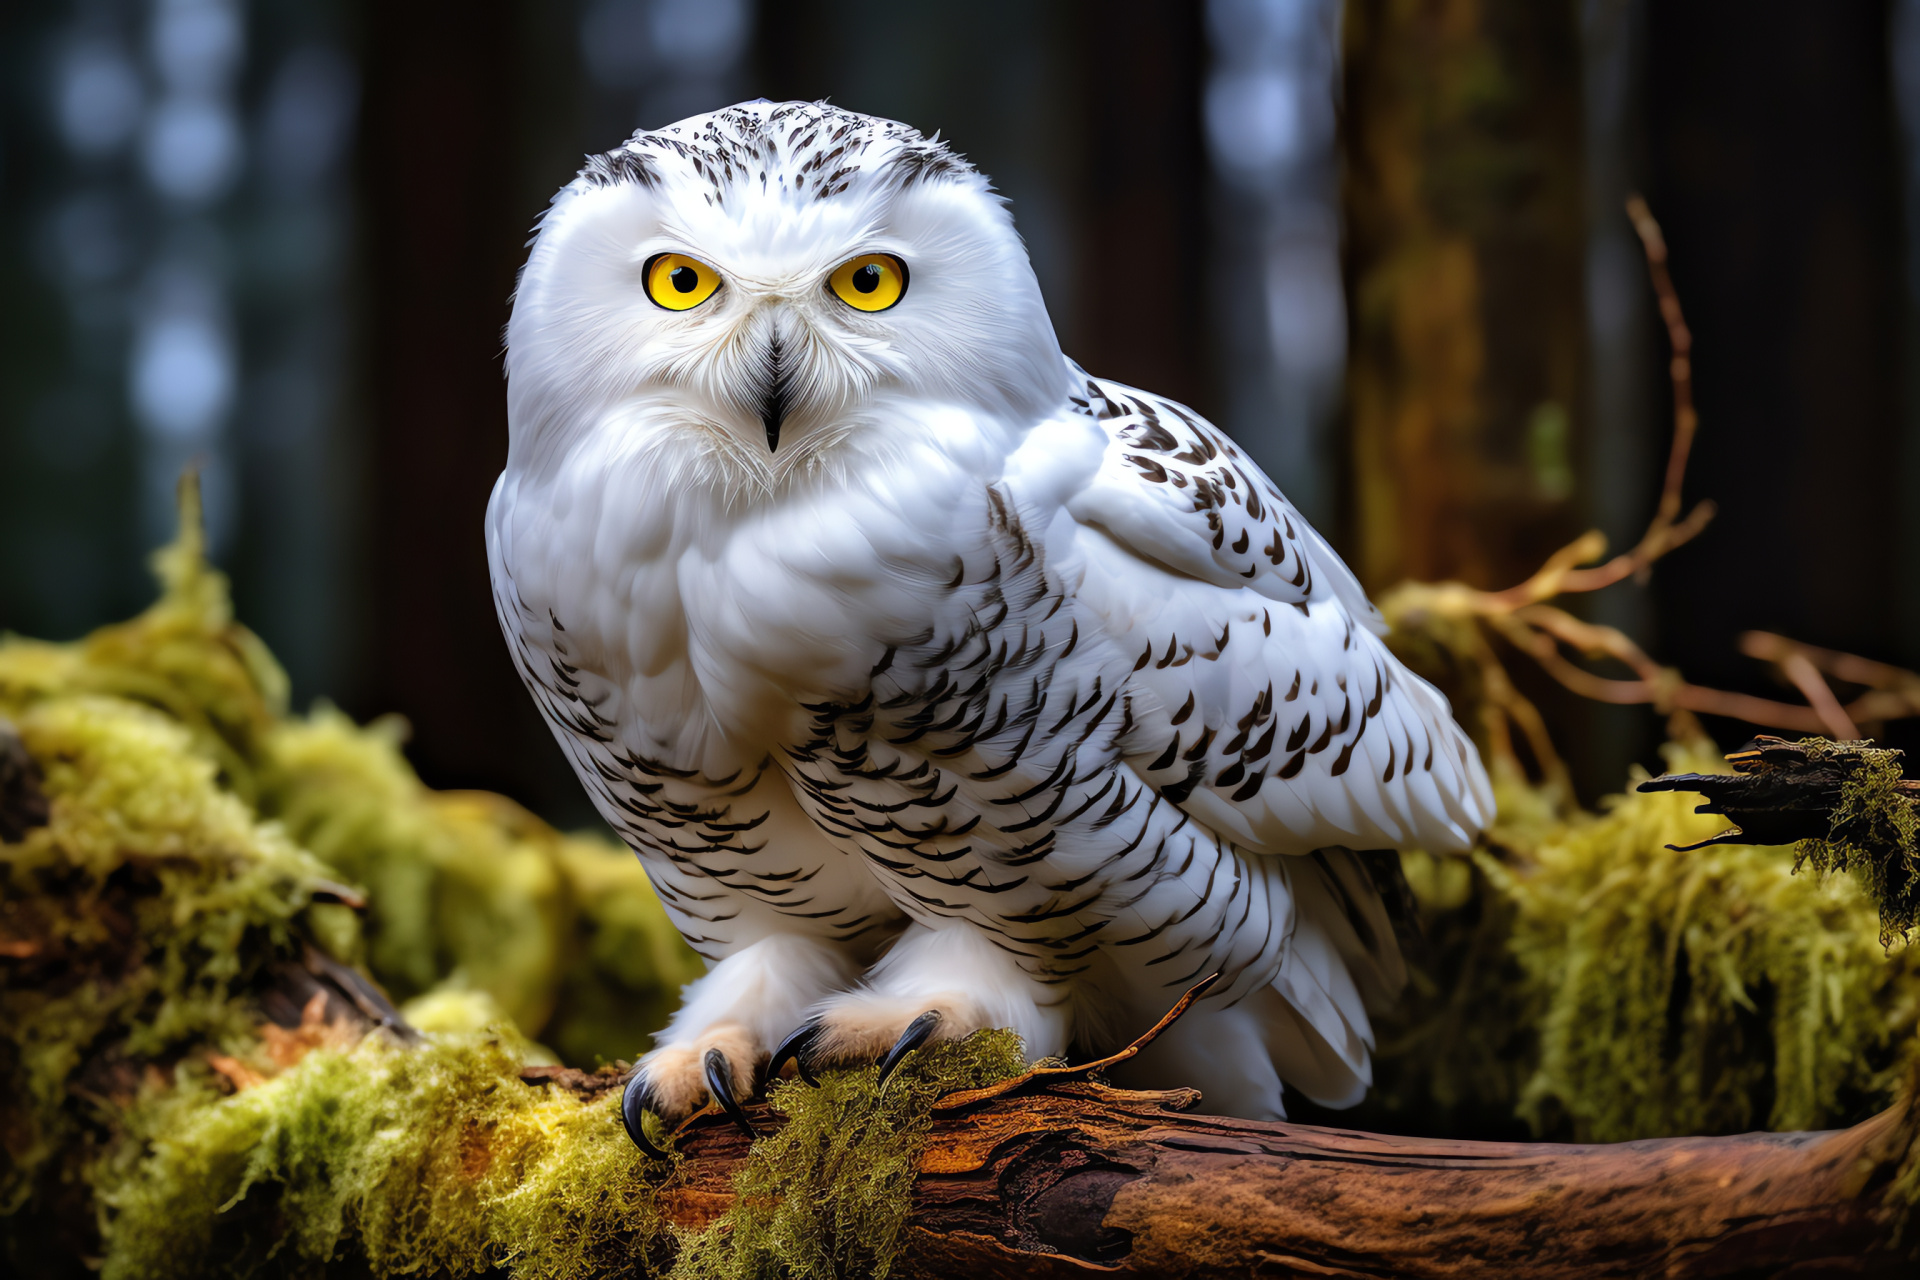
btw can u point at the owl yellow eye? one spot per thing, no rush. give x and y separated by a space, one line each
679 283
871 282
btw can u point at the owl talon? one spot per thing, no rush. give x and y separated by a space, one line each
912 1038
720 1084
796 1046
635 1102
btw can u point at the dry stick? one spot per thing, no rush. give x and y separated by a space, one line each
1521 616
1561 573
1680 340
1841 666
1819 695
1535 630
1893 692
1044 1073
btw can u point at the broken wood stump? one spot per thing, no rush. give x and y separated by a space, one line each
1845 805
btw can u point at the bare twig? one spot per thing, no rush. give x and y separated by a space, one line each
1562 572
1680 367
1540 630
1892 692
1806 678
1521 615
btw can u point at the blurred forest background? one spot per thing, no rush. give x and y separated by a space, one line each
1381 242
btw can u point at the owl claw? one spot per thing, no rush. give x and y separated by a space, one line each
912 1038
635 1102
796 1046
720 1084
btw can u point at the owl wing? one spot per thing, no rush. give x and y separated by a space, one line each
1283 721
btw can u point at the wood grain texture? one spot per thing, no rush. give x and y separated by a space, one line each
1077 1177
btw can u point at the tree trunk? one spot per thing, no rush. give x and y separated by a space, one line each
1465 251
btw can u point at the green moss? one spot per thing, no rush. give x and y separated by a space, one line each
828 1195
1874 833
1604 987
139 916
430 1160
439 1160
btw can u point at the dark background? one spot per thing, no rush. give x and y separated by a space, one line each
1774 164
1768 138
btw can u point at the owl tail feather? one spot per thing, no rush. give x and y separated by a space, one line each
1342 959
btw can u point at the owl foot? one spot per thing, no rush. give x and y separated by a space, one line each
676 1079
797 1048
862 1027
719 1074
912 1038
635 1102
718 1039
801 1048
639 1098
932 985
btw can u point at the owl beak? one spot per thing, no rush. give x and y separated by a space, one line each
770 418
774 407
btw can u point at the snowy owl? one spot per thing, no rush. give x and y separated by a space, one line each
938 684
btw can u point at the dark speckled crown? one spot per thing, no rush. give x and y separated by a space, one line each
812 148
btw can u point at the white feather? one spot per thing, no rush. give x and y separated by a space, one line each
961 668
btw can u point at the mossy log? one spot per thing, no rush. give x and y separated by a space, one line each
1066 1176
1077 1176
1052 1176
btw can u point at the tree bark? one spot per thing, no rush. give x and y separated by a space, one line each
1784 792
1055 1176
1779 791
1074 1177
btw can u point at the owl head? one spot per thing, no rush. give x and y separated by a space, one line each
754 287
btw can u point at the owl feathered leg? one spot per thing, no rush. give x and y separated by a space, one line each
739 1010
936 984
1310 1026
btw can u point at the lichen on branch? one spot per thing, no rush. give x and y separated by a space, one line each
1874 833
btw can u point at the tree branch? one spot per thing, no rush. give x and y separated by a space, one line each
1521 616
1067 1176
